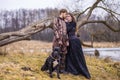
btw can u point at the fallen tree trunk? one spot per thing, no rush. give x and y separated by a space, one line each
9 37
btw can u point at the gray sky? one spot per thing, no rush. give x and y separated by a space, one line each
30 4
35 4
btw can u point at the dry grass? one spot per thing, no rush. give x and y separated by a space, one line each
11 64
38 45
10 68
25 46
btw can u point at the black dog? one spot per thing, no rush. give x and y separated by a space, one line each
48 65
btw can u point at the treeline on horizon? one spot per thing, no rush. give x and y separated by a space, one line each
14 20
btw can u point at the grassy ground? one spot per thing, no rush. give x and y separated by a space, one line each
11 64
10 68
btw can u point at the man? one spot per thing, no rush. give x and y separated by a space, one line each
61 37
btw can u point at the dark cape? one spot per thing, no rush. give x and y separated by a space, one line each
75 60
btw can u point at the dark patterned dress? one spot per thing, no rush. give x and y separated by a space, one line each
75 60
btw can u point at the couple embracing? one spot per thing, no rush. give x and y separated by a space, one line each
72 58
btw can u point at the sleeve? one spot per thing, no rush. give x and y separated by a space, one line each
75 25
55 28
64 28
69 28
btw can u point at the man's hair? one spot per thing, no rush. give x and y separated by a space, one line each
63 11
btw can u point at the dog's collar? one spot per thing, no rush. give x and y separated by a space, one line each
53 57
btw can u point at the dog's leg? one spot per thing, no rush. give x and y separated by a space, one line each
58 70
51 69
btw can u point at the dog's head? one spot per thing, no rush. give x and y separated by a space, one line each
56 52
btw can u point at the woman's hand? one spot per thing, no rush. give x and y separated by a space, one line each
77 34
65 37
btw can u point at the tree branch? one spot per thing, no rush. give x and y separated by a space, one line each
85 19
86 45
108 10
92 8
105 23
79 14
111 12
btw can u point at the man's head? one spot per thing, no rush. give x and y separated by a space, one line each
63 13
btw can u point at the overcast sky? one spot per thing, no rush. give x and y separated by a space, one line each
30 4
35 4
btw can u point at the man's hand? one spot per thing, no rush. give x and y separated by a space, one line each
60 42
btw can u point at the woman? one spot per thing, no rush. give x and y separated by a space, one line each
75 60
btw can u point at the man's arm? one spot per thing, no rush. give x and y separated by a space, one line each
56 31
55 28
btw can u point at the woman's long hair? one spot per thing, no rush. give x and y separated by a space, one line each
73 18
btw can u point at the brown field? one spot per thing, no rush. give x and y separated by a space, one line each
32 44
105 44
37 47
27 47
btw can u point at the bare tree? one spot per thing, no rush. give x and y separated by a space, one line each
102 5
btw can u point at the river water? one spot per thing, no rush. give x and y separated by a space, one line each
113 53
